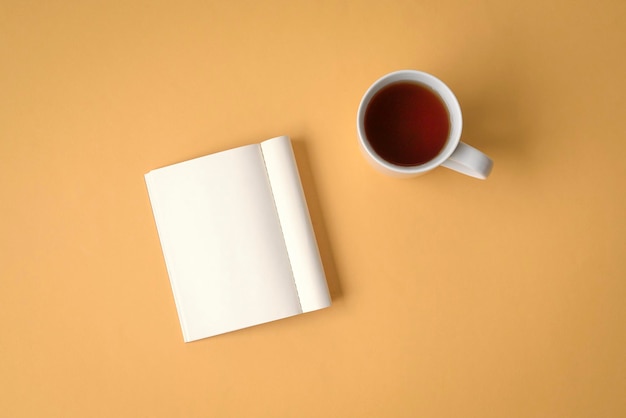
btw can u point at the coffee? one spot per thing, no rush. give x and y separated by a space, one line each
406 123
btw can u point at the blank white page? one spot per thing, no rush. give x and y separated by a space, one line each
222 242
294 217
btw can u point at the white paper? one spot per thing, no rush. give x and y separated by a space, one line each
294 217
224 245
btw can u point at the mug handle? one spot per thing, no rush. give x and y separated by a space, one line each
469 161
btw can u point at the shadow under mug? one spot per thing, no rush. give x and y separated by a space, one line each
455 154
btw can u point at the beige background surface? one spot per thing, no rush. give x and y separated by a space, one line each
452 297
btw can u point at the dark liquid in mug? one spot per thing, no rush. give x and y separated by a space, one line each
407 123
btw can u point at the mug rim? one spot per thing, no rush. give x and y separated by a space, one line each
447 97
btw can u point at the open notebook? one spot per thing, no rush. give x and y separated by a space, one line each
237 239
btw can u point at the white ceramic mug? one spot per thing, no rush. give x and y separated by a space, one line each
455 154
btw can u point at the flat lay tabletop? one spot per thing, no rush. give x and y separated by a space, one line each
451 296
